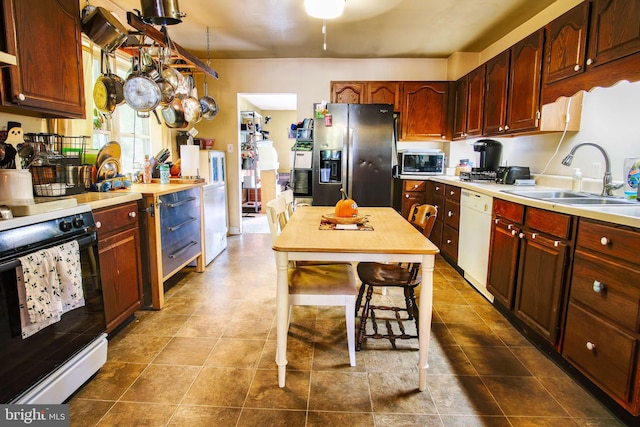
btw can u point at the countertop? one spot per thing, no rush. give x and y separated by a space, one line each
620 214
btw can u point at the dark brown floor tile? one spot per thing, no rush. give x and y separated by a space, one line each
490 315
185 351
398 393
475 421
386 359
138 414
265 392
299 355
509 335
495 361
186 305
248 328
394 420
233 353
474 334
111 381
334 356
204 416
462 395
162 324
449 360
201 326
136 348
457 313
599 422
533 399
542 422
447 295
219 387
324 419
83 412
161 384
574 399
271 417
537 362
339 391
441 333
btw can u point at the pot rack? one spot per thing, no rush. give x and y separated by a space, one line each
178 52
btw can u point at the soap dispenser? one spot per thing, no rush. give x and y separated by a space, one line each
576 182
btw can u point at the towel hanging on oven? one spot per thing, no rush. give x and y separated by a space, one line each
49 285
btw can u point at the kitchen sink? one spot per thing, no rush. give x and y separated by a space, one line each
572 198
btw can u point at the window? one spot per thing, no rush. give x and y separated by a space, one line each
123 125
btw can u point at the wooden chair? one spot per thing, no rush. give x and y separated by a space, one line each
289 200
320 285
405 276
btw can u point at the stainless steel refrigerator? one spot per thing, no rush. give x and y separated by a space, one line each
354 150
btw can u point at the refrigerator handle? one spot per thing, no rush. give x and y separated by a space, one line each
347 172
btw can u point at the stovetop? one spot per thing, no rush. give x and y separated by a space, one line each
478 175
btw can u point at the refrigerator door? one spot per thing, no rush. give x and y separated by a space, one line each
370 154
329 142
215 220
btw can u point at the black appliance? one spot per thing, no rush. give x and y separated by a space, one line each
49 365
489 154
509 174
478 175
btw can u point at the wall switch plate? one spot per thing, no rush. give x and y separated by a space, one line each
229 148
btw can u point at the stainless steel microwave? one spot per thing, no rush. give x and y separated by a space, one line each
421 163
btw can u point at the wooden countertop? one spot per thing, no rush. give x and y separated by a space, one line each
157 189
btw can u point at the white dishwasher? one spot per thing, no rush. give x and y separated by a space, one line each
474 237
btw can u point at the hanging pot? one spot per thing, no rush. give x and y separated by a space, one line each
168 92
119 83
209 105
104 90
141 93
173 115
161 12
104 29
191 105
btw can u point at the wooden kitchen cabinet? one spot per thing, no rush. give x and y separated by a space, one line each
460 108
384 93
348 92
120 265
512 88
603 319
412 192
475 101
613 31
425 112
451 222
45 37
434 195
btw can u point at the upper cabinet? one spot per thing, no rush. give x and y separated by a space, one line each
424 112
347 92
384 93
475 100
512 88
44 36
594 44
460 108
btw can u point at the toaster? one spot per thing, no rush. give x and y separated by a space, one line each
509 174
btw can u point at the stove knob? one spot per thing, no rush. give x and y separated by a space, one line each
78 222
65 226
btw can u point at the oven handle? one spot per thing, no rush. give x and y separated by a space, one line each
182 224
83 242
180 202
181 250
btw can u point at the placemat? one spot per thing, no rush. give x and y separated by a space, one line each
326 225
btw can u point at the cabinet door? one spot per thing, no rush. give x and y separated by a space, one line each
566 44
475 101
503 261
495 94
543 265
460 108
121 275
523 105
384 93
348 92
49 75
424 110
614 31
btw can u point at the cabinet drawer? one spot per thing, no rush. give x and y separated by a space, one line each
509 210
452 192
451 213
436 188
552 223
450 242
615 296
610 360
608 240
411 185
114 219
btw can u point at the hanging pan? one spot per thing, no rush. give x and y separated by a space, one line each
208 104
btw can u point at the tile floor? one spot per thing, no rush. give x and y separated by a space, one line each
207 359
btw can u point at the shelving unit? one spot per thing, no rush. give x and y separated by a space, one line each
250 134
301 163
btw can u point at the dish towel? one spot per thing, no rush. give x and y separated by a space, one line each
49 285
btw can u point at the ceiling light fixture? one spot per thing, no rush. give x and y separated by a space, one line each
324 9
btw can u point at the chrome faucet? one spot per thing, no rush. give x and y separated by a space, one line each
607 185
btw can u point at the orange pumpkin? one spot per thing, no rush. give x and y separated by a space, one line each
346 207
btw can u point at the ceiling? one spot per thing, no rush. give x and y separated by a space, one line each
252 29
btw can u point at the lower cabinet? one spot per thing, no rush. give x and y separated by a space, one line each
451 222
434 195
120 267
412 192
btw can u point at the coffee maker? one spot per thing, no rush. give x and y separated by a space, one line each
489 155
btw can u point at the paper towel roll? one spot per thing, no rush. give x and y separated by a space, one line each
189 161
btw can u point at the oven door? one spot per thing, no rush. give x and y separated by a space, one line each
25 362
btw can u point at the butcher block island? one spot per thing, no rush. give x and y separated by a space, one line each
171 233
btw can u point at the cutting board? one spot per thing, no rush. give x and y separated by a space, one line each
42 206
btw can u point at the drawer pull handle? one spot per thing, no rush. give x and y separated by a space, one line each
448 242
416 186
181 250
533 235
514 232
437 188
495 221
180 202
452 192
598 287
182 224
521 235
132 214
556 243
98 224
406 195
590 346
604 241
509 227
450 214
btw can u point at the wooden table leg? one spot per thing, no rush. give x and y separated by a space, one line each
282 314
426 305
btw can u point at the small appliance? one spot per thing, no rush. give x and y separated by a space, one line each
489 154
509 174
422 163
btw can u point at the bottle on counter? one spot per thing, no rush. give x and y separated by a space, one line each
576 182
146 170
